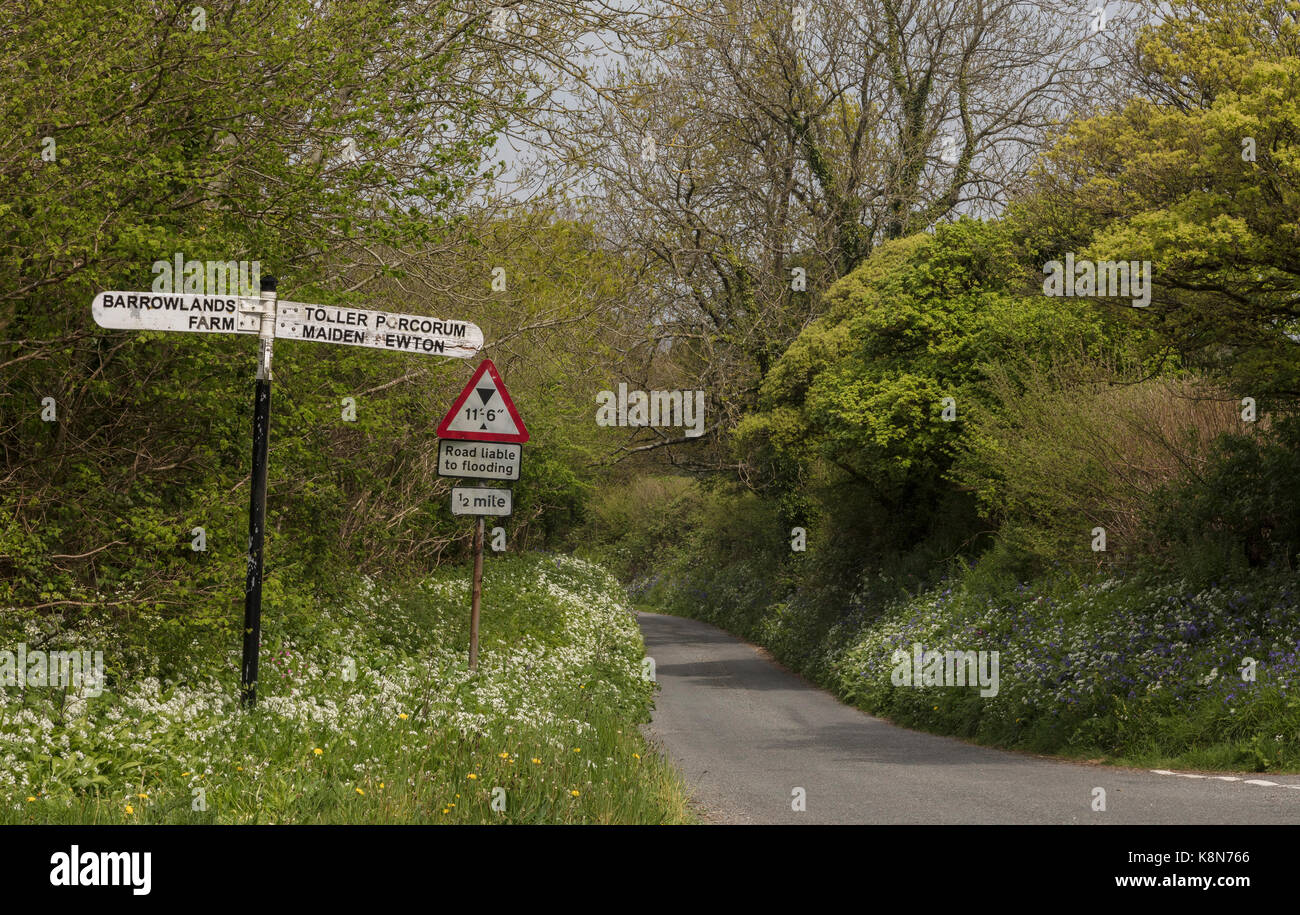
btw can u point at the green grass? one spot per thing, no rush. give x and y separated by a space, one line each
368 715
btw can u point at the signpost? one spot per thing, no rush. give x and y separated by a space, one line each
484 411
292 320
479 460
265 316
163 311
480 501
377 329
268 318
481 437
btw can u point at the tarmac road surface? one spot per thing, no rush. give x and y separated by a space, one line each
746 733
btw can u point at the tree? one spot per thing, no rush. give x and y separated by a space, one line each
874 397
759 153
1200 175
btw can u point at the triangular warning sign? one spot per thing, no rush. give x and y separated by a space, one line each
484 411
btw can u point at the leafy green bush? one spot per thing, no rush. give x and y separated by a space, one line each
1242 509
1064 447
631 524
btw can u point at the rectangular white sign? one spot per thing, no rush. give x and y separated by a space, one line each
479 460
467 500
294 320
175 311
377 329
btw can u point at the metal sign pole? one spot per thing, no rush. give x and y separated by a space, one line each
257 496
476 594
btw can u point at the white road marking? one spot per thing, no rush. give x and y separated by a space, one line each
1227 778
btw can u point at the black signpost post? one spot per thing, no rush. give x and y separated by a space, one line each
257 499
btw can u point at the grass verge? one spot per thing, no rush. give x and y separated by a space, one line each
366 715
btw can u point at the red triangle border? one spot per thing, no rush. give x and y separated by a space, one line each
520 436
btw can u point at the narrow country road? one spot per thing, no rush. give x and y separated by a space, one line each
746 733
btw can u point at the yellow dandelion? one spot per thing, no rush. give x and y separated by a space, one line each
318 751
183 774
577 749
381 784
129 810
536 761
574 792
504 755
239 768
636 755
360 792
30 799
471 776
403 716
143 797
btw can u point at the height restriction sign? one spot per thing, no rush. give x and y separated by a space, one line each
487 444
484 411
